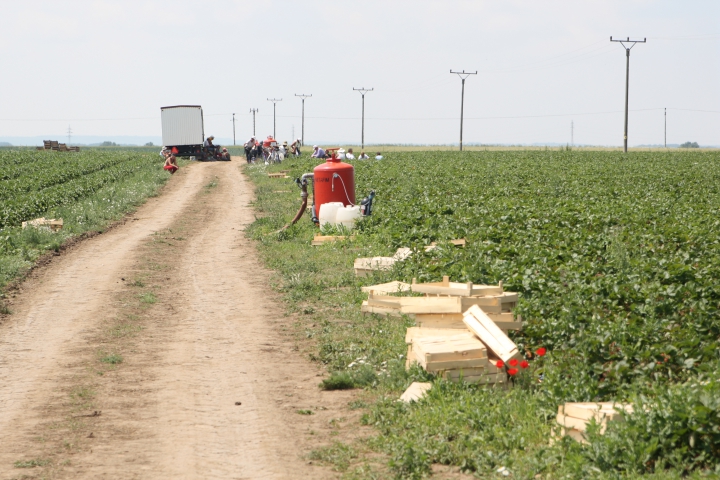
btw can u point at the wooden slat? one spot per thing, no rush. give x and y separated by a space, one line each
490 334
504 321
599 411
456 289
415 391
474 364
430 305
370 309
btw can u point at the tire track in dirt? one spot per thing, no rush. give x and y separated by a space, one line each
215 338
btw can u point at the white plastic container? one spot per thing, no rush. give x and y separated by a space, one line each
347 216
328 212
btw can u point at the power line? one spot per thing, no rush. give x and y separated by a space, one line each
463 76
627 80
363 91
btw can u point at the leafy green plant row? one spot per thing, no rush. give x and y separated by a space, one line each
52 171
30 205
15 163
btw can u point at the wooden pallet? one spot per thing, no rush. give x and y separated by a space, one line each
446 287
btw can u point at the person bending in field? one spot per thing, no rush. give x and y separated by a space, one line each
363 156
349 155
317 152
378 156
171 164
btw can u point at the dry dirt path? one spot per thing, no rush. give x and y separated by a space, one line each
214 338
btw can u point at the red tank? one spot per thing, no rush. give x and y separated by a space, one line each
331 188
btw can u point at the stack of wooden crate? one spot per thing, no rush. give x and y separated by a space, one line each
461 328
575 417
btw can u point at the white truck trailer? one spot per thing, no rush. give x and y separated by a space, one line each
183 130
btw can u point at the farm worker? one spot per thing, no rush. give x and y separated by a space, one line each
210 146
225 155
363 156
249 146
295 147
171 164
284 149
317 152
378 156
349 155
165 152
341 154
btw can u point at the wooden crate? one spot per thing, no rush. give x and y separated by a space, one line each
277 175
504 321
323 239
576 416
447 352
387 288
53 224
366 266
446 287
491 335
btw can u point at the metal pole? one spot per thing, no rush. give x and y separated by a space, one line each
666 128
627 81
463 75
627 89
462 108
253 110
363 91
362 135
274 100
233 129
303 97
302 129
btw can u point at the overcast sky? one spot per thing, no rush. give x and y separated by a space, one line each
106 67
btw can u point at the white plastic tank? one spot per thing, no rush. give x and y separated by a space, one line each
328 212
347 216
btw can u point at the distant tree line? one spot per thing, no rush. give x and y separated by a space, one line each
690 145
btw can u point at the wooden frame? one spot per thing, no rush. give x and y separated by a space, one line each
446 287
490 334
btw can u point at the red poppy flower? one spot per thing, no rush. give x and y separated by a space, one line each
512 371
499 364
541 351
513 362
524 364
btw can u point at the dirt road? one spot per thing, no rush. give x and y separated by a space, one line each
209 384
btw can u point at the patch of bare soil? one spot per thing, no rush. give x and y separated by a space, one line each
157 350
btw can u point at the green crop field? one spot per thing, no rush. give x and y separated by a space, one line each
87 190
616 259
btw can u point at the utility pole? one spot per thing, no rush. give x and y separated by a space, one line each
666 128
303 97
572 133
233 129
363 91
69 132
254 111
627 79
274 100
463 75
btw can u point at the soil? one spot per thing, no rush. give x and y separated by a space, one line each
211 383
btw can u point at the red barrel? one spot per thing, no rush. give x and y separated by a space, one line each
330 187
